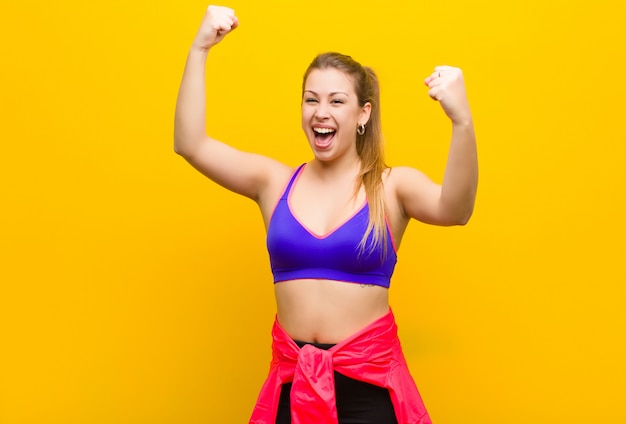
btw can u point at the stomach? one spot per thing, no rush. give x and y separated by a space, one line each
327 311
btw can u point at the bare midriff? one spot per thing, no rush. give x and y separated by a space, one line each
326 311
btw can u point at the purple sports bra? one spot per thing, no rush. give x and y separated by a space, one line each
296 253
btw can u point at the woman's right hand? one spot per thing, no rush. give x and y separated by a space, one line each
217 23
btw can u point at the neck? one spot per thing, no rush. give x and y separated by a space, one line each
339 169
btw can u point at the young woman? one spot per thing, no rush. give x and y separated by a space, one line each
334 225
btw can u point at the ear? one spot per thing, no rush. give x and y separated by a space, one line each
364 115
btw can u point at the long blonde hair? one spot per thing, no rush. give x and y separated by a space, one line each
369 145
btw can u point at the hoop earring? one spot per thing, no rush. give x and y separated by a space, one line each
360 129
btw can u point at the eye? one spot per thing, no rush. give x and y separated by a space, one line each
337 101
310 100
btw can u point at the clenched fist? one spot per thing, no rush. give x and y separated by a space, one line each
217 23
446 85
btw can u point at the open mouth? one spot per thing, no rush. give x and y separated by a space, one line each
323 136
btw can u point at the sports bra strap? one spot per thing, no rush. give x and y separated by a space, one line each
291 181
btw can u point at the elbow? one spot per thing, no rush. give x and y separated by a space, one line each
178 145
465 217
460 212
463 220
178 150
181 148
188 145
457 221
459 217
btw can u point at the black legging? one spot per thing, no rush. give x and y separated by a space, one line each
357 402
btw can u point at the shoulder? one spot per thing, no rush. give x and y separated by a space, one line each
278 176
399 177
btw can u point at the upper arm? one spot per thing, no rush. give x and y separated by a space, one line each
248 174
418 196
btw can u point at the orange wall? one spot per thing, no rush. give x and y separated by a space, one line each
133 290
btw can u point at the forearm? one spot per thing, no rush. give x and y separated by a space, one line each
190 118
460 181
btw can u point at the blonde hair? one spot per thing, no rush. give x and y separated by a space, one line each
370 145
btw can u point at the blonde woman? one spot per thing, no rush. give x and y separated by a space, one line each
334 225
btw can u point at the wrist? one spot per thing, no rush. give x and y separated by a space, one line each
463 122
199 50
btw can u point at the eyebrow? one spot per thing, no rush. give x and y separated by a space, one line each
332 94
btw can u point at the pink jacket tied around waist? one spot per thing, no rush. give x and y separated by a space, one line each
372 355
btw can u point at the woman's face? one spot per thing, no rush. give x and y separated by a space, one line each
331 113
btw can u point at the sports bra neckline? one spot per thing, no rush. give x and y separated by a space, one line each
341 224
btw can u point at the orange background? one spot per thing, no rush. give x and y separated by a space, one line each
133 290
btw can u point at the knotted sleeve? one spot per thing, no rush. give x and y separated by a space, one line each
313 390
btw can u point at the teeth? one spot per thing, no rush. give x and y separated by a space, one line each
323 130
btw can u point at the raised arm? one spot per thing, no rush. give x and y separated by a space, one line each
244 173
452 202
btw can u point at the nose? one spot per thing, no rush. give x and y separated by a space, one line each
321 111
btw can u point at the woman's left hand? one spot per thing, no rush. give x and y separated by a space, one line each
447 86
